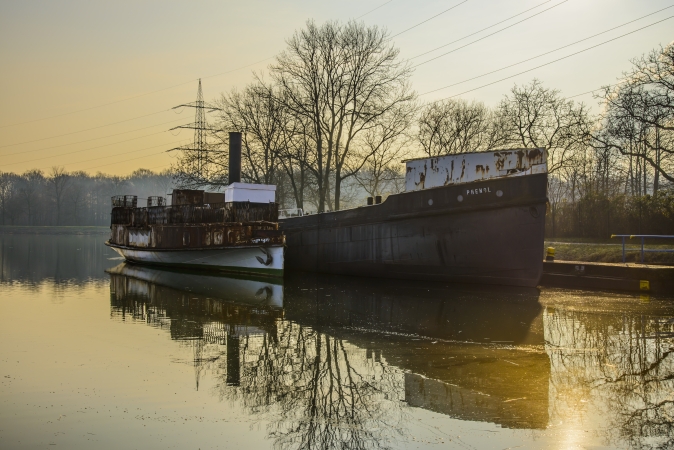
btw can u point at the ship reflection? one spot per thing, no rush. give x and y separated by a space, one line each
343 356
458 346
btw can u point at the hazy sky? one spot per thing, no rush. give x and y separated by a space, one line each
65 62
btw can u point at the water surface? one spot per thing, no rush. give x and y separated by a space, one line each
100 354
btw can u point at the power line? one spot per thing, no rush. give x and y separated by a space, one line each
373 10
82 131
125 153
111 156
119 162
599 89
557 49
489 35
554 61
206 77
132 159
134 97
479 31
92 139
584 93
83 150
430 18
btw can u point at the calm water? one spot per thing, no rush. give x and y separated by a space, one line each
145 358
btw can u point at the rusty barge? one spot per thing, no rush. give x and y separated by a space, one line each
474 217
235 231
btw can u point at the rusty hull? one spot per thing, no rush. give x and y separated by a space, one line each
196 236
196 226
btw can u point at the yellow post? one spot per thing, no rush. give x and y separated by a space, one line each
644 285
550 255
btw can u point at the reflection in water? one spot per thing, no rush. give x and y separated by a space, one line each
457 346
623 363
336 365
332 362
72 260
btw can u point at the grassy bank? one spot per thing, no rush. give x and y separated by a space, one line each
610 250
9 229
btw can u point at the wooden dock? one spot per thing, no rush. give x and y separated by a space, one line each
632 277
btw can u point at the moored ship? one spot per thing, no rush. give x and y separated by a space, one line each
229 236
235 231
474 217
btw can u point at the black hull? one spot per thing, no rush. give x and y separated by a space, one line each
431 235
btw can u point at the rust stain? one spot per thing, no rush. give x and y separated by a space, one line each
422 180
480 169
534 156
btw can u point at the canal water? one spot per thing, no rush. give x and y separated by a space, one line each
99 354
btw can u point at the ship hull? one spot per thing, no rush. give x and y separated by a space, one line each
488 232
267 261
246 290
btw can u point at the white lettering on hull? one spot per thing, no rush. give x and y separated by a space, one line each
486 190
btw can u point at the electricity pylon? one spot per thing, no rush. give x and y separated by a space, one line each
198 151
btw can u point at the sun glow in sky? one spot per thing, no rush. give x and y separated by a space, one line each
90 85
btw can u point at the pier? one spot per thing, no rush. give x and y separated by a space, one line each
645 278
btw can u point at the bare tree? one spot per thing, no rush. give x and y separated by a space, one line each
341 79
5 194
455 126
59 180
535 116
639 117
30 190
383 147
261 119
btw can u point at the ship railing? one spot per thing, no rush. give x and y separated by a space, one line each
643 237
125 201
293 212
195 214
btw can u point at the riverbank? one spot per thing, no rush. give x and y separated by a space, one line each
610 250
77 230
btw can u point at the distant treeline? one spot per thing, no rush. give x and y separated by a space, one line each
77 198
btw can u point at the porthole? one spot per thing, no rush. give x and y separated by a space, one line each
460 198
499 193
430 202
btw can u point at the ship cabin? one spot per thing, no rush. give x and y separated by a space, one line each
244 214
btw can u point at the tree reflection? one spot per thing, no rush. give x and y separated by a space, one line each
624 363
318 392
315 390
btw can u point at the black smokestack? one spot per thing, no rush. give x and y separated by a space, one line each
234 157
